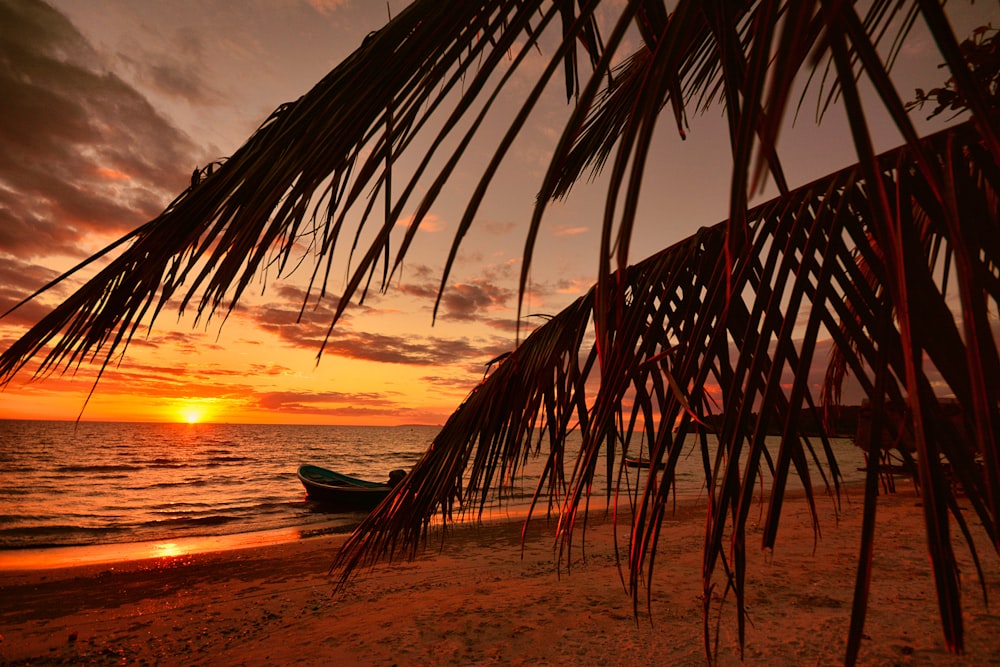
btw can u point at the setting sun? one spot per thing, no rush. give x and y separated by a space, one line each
192 415
192 412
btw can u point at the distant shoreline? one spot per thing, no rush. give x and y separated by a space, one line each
85 420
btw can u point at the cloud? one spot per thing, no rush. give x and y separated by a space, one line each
573 286
80 150
478 301
341 404
508 325
327 6
431 224
177 73
309 329
294 401
298 305
354 406
565 230
306 329
409 350
18 280
499 228
183 342
467 301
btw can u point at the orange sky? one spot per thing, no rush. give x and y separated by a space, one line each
126 98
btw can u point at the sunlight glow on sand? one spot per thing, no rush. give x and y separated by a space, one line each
167 549
158 552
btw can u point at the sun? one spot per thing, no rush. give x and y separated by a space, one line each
192 410
192 413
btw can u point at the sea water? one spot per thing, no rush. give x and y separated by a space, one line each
66 483
71 484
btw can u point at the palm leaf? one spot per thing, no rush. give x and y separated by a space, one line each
673 320
871 256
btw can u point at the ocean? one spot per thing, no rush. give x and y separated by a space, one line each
66 484
71 484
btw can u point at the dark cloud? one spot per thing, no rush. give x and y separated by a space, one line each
425 290
309 329
178 73
339 404
410 350
285 401
183 342
80 150
477 299
148 380
508 325
309 307
452 385
269 369
306 329
18 280
468 301
465 302
205 380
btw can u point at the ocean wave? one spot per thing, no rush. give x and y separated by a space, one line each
161 463
168 485
277 505
177 505
94 468
403 456
212 520
229 459
54 536
11 467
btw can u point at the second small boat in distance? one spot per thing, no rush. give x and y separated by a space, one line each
642 463
340 492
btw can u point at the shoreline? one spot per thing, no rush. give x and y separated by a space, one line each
27 559
480 598
58 557
23 559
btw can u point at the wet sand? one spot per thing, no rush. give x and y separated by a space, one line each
476 601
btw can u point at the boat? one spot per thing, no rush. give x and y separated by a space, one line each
641 463
343 492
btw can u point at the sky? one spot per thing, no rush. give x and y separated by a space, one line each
110 105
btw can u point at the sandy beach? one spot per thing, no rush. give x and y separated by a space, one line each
478 601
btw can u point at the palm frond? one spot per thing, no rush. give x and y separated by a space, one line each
332 152
875 256
306 167
816 266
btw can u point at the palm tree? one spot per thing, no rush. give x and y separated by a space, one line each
874 256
